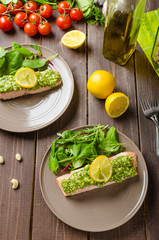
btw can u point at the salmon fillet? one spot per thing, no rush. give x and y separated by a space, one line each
89 188
20 93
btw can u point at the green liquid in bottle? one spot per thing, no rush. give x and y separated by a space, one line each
117 45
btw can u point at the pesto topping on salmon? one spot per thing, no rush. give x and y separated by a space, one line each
45 78
122 168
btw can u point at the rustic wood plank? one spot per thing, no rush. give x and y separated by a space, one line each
148 87
50 227
15 205
127 123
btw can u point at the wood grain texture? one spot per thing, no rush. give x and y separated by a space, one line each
148 87
15 205
127 123
50 227
23 213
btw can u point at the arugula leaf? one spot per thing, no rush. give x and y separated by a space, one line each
75 149
67 134
36 47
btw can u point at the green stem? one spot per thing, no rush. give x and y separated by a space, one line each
66 159
53 56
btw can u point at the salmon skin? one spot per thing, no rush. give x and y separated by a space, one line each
92 187
22 92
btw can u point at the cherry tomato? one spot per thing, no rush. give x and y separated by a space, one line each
14 6
2 8
76 14
63 22
30 7
64 7
30 29
5 23
44 28
35 18
45 11
21 19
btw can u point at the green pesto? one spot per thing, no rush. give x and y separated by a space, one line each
45 78
122 168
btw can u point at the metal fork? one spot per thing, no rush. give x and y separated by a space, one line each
151 110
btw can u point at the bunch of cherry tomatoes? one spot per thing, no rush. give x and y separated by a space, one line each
33 18
66 14
30 16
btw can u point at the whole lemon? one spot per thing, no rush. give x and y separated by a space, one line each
101 84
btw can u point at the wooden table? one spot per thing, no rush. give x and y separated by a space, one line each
23 213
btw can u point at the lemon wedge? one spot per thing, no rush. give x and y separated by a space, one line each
26 78
101 169
116 104
73 39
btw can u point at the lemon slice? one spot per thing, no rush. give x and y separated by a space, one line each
101 169
26 78
116 104
73 39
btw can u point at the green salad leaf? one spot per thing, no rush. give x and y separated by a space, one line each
76 149
19 57
91 13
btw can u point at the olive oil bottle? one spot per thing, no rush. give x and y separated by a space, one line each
123 18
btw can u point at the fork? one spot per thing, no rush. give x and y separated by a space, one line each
151 110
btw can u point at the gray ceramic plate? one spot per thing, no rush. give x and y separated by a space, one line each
36 111
101 209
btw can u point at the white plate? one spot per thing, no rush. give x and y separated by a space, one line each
33 112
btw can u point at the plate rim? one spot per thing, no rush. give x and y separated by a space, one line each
68 103
122 222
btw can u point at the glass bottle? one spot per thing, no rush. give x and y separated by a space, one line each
123 19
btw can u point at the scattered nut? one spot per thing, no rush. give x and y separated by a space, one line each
1 160
18 157
15 183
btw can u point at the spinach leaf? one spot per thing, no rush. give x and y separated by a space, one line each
15 46
13 61
77 163
110 144
36 63
2 61
53 163
85 150
25 52
2 57
2 52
